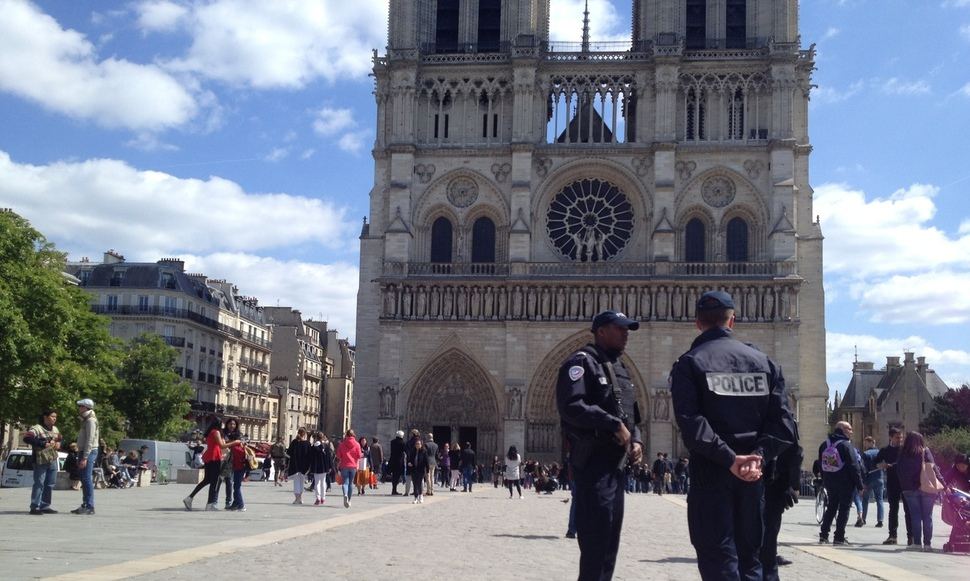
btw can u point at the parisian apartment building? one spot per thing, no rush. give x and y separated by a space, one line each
224 343
298 369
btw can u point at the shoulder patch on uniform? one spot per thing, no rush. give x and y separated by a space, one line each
576 371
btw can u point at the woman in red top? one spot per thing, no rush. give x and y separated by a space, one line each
348 454
212 457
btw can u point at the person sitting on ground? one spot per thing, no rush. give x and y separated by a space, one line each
131 464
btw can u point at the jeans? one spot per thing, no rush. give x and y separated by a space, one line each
45 477
920 515
348 475
237 480
468 472
87 479
874 489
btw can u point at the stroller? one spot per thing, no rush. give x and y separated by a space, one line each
956 513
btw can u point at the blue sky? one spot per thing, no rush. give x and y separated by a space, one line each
236 134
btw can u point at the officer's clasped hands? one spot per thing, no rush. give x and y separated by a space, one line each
747 468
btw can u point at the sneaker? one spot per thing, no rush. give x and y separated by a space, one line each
927 549
297 501
316 502
843 541
211 506
890 541
823 539
88 510
79 510
914 548
781 561
346 502
37 511
859 522
415 501
187 501
228 506
323 501
48 510
421 499
241 509
879 525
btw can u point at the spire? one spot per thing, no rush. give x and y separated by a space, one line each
586 28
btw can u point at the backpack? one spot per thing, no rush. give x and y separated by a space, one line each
831 459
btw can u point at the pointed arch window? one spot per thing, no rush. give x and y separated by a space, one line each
694 235
483 241
441 240
737 23
696 111
489 25
446 26
737 240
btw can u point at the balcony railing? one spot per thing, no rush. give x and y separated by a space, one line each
175 341
259 341
255 388
161 311
246 412
254 364
608 269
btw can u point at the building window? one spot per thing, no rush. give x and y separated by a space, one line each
441 240
112 302
590 220
446 26
483 240
736 116
489 25
696 111
694 246
897 407
737 240
737 21
696 33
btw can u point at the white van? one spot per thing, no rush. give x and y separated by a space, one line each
177 453
18 470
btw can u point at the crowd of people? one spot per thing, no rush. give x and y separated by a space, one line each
905 470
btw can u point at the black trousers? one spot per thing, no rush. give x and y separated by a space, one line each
724 515
774 508
895 496
397 475
211 477
840 500
599 520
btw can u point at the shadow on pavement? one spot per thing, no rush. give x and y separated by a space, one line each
528 537
669 560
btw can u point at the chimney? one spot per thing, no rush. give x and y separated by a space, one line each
921 368
178 263
862 366
892 363
908 360
112 257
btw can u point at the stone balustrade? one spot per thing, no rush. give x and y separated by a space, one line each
561 301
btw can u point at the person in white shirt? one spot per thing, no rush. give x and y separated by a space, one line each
512 476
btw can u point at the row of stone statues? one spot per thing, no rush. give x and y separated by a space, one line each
762 302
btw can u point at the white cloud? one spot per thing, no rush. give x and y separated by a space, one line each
307 153
938 298
283 43
830 33
953 365
826 95
150 142
566 21
353 142
896 86
964 90
277 154
102 203
965 31
330 121
60 70
965 227
885 236
327 290
159 15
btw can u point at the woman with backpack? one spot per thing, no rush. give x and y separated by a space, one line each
916 471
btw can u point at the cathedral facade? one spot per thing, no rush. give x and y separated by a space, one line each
522 185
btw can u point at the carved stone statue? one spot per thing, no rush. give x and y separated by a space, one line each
514 403
388 397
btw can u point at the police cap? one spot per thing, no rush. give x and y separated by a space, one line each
713 300
614 318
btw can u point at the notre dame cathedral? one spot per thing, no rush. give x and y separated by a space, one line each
522 185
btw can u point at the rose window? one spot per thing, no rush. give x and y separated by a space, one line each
590 220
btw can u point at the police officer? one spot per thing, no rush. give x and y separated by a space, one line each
597 403
731 407
783 477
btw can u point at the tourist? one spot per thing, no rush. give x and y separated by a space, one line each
240 467
131 466
230 432
444 462
376 462
959 476
909 467
497 471
321 463
842 479
70 466
348 454
431 451
267 467
886 459
513 476
409 450
212 459
418 467
298 464
87 443
455 453
278 452
468 467
873 478
397 461
362 478
45 441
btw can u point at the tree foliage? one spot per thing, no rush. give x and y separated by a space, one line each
950 410
152 397
53 349
948 443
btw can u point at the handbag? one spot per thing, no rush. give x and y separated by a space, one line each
339 480
928 482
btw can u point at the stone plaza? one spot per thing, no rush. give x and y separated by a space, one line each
146 533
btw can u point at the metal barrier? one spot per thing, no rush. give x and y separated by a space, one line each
162 475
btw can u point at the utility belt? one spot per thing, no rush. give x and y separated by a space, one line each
595 448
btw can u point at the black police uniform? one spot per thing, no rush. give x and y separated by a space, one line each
783 476
729 399
592 409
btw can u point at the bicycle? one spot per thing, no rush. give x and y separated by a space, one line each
821 501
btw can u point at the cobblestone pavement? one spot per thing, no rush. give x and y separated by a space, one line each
146 533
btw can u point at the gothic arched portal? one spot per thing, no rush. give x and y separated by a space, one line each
543 435
454 398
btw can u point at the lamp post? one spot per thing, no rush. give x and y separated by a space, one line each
281 385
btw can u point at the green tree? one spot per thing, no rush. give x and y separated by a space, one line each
950 410
152 397
948 443
53 349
